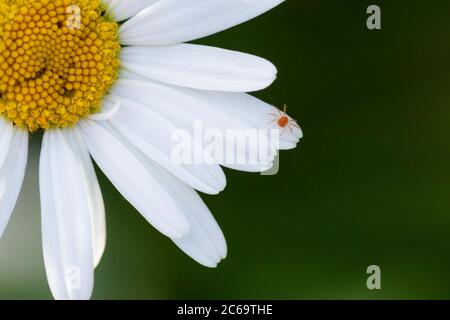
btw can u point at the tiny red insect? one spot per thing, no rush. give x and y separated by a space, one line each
283 121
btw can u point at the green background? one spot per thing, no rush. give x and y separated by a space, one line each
369 184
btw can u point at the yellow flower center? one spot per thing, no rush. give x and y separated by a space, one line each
58 59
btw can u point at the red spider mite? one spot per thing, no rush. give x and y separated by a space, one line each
283 120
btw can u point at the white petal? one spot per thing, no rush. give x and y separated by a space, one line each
109 109
6 134
125 74
121 10
93 194
120 163
66 220
185 107
200 67
245 106
204 241
151 133
257 113
12 170
176 21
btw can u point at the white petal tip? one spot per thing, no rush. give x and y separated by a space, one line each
213 190
211 264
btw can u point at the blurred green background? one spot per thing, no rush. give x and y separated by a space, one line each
369 184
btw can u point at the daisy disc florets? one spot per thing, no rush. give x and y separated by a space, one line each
58 58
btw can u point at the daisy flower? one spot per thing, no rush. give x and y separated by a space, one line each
112 80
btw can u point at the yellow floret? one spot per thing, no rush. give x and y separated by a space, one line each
58 58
